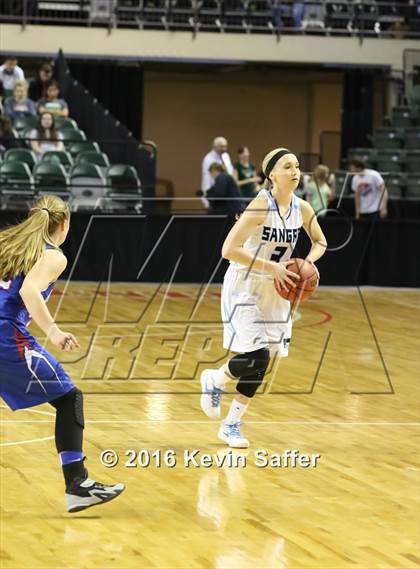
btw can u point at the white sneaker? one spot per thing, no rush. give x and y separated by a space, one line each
82 494
211 395
231 435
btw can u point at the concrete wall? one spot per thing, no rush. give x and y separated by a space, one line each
150 44
183 112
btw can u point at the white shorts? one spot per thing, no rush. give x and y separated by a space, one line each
254 315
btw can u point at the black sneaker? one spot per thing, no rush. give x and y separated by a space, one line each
82 494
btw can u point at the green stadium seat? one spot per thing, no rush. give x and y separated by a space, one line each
412 189
15 176
412 138
123 179
368 155
26 133
50 177
98 158
25 123
76 148
389 137
86 170
70 136
414 95
412 161
20 155
16 185
395 184
402 117
63 123
390 160
88 186
58 157
342 182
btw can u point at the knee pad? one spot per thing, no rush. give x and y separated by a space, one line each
248 385
249 363
78 407
71 404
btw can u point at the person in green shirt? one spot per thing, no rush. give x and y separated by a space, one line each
318 193
245 174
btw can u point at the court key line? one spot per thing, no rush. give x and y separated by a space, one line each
204 422
27 441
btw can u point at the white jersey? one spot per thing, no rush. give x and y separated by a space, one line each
253 314
277 237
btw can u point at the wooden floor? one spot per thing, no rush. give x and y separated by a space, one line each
349 391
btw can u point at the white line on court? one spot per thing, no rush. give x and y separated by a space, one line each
31 411
204 422
27 442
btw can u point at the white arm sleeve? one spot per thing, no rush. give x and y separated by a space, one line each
228 163
206 179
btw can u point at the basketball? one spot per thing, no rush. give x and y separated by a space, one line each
306 286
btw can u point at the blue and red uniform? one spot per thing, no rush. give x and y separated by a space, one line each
29 375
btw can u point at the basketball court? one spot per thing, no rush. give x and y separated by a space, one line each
348 392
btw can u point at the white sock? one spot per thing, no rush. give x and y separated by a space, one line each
236 411
220 377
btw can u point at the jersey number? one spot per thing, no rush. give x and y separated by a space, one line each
278 254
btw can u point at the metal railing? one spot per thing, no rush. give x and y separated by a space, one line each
326 17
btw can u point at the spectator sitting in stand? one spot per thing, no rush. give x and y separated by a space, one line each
318 192
52 104
38 87
280 8
245 174
10 72
19 105
224 186
7 136
45 137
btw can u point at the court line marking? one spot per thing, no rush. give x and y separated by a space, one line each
61 282
204 422
30 410
26 442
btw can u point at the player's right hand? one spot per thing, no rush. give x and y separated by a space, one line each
283 277
64 340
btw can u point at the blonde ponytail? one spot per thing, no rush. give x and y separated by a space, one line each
23 244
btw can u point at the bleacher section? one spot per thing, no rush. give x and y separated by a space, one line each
395 152
81 173
368 17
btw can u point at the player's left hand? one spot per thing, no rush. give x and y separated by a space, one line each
69 343
314 266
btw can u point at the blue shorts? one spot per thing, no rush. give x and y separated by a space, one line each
29 375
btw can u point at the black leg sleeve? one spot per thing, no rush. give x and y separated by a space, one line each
69 421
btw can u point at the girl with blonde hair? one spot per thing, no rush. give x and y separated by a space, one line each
318 191
18 105
257 321
30 262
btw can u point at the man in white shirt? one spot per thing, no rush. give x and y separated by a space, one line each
218 154
10 72
370 193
